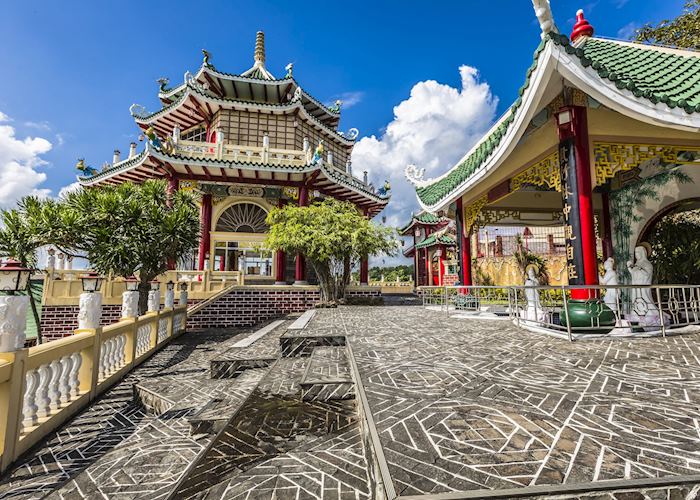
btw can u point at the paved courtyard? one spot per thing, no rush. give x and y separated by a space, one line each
462 408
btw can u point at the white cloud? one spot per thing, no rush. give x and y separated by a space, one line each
68 189
19 163
349 99
43 125
620 3
433 129
627 31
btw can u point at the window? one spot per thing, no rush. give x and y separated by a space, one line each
243 218
198 134
240 256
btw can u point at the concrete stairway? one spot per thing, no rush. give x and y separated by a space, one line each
302 413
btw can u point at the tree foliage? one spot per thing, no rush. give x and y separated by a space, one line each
20 239
675 244
391 273
123 230
682 32
333 236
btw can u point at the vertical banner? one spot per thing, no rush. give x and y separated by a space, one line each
571 210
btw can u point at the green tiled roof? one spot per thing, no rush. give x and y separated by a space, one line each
422 218
433 240
648 72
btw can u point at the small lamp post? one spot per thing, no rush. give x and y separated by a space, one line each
183 294
13 278
90 312
170 294
154 297
130 298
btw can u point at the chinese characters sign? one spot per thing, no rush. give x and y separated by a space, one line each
571 211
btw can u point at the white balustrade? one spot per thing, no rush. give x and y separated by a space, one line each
30 408
143 339
162 330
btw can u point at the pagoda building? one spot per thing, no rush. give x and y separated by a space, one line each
244 143
433 247
602 139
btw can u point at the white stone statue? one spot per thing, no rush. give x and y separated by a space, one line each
533 311
610 279
90 311
13 322
130 304
643 308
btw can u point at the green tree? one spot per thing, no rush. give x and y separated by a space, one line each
682 32
675 246
123 230
524 258
333 236
19 239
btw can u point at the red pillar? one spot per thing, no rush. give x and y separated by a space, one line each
364 265
280 261
300 271
205 228
464 246
441 266
578 198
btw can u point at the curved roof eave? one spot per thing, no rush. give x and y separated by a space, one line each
555 59
189 90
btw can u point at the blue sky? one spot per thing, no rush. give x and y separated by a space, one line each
72 69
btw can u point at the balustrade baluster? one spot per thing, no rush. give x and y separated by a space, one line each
43 401
54 392
64 380
76 363
30 409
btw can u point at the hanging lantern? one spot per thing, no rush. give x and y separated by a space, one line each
13 277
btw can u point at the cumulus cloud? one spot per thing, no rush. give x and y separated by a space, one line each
432 129
20 160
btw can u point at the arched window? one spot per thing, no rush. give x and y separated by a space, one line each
243 218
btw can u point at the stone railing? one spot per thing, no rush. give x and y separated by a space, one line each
43 386
250 154
63 287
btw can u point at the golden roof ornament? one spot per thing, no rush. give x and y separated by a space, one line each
259 56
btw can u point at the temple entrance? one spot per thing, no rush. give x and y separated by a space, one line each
673 236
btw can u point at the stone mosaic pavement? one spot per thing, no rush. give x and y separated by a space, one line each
468 406
116 449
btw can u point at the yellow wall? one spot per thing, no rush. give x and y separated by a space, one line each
505 271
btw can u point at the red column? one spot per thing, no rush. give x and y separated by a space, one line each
364 272
428 270
441 266
300 271
205 228
280 261
578 196
464 246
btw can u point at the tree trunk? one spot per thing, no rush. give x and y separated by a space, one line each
35 311
144 287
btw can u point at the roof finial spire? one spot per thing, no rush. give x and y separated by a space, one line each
581 28
260 48
543 11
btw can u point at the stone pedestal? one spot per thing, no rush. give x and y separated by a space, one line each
90 311
170 298
153 300
130 304
13 322
183 298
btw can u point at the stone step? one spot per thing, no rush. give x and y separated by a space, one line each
255 447
327 376
300 339
258 350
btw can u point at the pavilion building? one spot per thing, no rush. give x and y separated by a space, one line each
602 139
433 248
244 143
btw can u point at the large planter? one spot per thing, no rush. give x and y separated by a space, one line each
589 313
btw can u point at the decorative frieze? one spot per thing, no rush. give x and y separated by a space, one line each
543 173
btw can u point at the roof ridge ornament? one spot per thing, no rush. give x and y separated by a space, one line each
207 56
351 134
582 28
415 176
543 11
